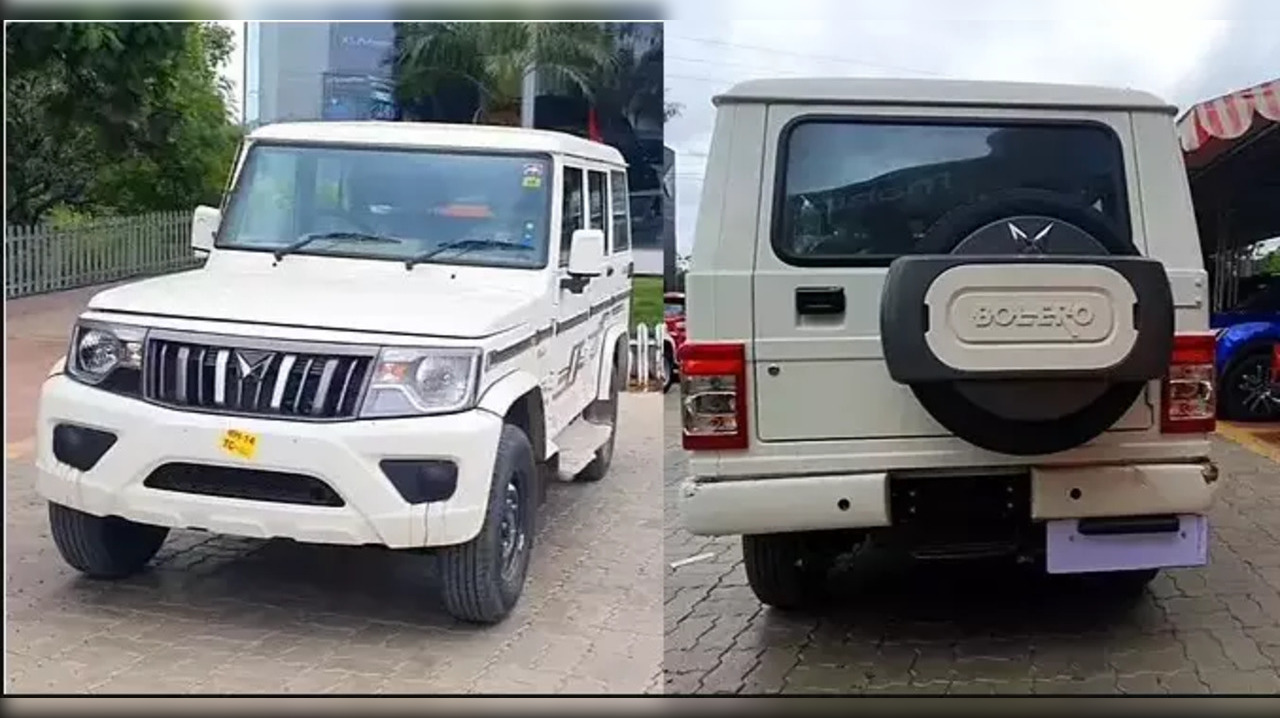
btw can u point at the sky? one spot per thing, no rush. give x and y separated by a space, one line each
1185 51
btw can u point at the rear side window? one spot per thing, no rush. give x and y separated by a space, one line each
621 213
863 192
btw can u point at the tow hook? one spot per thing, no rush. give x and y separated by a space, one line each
1210 472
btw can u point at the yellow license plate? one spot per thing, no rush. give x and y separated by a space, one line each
241 444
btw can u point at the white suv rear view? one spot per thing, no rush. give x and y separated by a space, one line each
965 318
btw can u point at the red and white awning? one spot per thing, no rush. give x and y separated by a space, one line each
1229 117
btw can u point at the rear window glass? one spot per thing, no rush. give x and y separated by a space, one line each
858 192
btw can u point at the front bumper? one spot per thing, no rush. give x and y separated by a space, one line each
345 455
749 505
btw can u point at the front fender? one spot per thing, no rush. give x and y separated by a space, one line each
58 367
604 372
1235 339
501 394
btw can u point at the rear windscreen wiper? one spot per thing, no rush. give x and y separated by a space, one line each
465 245
309 238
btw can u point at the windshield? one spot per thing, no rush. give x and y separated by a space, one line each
391 204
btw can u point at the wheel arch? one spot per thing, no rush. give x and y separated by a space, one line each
615 340
1241 340
517 397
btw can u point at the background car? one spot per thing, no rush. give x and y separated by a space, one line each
673 317
1248 355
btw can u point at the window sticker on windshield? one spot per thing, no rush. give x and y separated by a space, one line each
532 176
526 236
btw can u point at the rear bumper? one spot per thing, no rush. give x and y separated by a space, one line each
854 501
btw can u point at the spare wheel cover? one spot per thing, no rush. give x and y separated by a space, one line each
1024 417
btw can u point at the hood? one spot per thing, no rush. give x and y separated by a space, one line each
425 303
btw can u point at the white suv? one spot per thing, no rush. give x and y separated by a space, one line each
962 319
400 332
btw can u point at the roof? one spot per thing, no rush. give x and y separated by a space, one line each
1226 118
439 135
884 91
1231 146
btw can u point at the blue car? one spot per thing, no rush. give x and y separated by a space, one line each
1248 336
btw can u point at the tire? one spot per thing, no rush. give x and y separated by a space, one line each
1242 400
669 370
602 412
953 227
787 571
103 547
948 403
481 584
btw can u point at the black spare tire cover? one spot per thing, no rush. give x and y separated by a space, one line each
1024 416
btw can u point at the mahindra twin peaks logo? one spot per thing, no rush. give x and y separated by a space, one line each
1029 244
253 364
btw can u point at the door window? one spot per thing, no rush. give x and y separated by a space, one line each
571 213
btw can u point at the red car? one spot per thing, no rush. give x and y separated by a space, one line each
673 317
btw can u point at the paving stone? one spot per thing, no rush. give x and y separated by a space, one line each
1212 629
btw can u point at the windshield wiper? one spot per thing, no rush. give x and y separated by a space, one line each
465 245
309 238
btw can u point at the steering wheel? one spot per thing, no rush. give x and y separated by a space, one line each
343 218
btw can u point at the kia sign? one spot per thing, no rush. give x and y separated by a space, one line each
361 47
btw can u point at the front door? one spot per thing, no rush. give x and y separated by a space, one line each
568 358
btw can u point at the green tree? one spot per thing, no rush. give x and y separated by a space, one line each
494 58
1270 263
112 116
671 110
630 85
193 165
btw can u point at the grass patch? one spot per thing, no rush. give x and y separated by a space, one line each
646 300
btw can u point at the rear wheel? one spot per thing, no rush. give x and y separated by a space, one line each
788 570
106 547
668 369
605 413
1024 409
1248 394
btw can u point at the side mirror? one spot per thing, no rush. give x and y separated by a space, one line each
586 254
204 224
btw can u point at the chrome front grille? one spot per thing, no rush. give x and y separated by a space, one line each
256 379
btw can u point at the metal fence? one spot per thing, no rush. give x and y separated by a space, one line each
644 362
46 259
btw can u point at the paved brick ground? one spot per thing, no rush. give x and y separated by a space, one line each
893 629
228 615
220 614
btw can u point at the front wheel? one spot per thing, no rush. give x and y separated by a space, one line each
484 577
104 547
1248 394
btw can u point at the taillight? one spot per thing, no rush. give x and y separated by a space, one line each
713 380
1187 395
1275 363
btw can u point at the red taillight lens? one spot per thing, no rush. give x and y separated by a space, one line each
1187 395
1275 363
713 380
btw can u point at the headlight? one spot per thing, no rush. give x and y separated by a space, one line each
413 382
109 355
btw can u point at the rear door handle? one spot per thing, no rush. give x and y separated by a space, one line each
820 300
